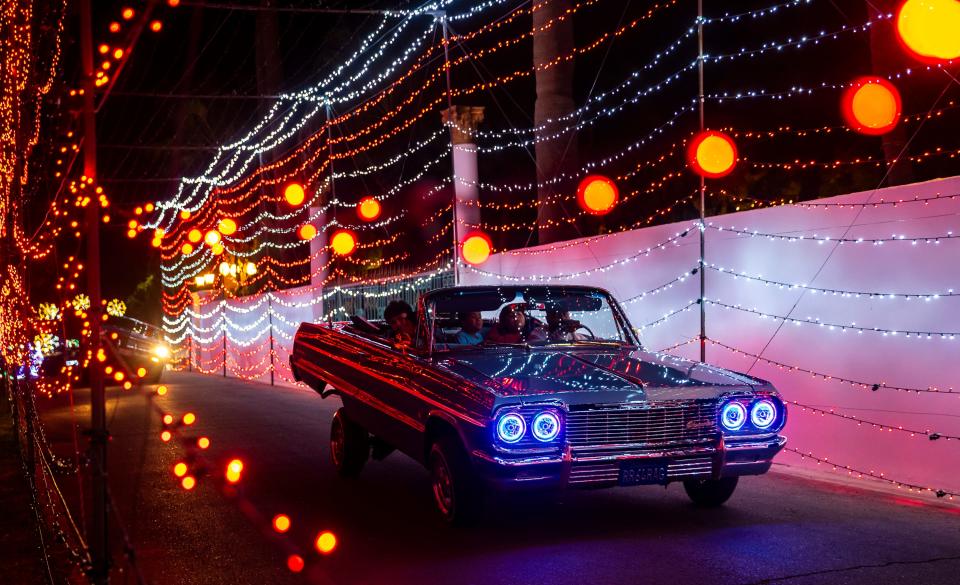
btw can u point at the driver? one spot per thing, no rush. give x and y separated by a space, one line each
514 327
402 321
560 327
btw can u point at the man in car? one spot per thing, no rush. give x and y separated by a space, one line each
560 327
470 325
514 327
402 320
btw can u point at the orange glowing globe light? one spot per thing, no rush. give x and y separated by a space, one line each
189 418
227 226
161 390
167 419
188 483
476 248
185 214
216 250
156 26
930 29
343 242
203 443
368 209
234 469
326 542
597 194
712 154
871 106
186 249
307 232
281 523
212 238
294 194
131 234
180 469
165 436
195 236
141 372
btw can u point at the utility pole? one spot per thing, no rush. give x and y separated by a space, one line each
703 191
441 17
98 536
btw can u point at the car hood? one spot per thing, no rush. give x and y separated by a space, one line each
587 375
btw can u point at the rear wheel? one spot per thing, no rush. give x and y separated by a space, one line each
456 490
710 493
349 445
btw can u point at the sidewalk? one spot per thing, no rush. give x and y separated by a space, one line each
20 554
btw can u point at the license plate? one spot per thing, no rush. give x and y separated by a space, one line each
642 473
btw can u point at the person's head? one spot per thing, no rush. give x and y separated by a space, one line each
400 317
471 321
555 317
512 319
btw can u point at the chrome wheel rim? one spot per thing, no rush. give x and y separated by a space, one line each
337 442
442 485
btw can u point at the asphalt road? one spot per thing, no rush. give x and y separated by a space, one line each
777 528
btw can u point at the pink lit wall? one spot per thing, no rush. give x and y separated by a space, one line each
870 357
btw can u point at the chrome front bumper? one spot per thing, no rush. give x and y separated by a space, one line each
600 466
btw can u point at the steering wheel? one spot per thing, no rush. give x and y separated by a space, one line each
572 325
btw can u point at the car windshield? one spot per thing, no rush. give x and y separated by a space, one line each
529 316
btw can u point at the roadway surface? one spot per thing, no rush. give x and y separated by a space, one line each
778 528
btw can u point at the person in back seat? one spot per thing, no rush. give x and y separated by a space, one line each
470 325
402 321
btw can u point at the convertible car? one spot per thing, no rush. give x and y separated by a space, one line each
535 387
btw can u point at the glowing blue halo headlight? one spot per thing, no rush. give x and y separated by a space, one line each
546 426
762 414
511 427
732 416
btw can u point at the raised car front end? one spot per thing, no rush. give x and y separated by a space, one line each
553 445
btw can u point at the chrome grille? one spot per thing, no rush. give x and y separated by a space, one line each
656 424
595 473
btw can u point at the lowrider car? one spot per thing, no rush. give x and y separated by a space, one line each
566 397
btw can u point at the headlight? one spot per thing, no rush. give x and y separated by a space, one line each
762 414
161 351
546 426
732 416
511 427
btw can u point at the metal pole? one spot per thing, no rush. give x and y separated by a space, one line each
223 325
441 16
98 537
703 191
190 352
270 318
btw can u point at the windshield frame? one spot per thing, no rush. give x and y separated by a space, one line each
427 325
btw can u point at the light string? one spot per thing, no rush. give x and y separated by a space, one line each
931 435
827 239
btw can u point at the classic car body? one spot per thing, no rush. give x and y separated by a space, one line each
593 411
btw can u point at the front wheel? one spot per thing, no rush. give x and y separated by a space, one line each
456 491
710 493
349 445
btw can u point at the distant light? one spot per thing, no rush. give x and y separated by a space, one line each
368 209
871 106
131 234
156 242
186 249
195 235
167 419
173 3
189 418
185 214
227 226
281 523
203 443
180 469
127 13
928 29
165 436
127 385
161 390
212 238
234 469
188 483
712 154
307 232
295 563
114 27
250 269
118 54
326 542
476 248
141 372
224 268
118 376
156 26
104 49
208 278
343 242
217 249
148 207
597 194
294 194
